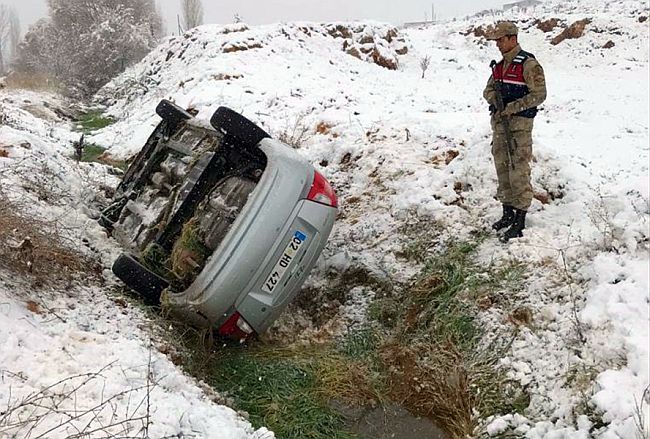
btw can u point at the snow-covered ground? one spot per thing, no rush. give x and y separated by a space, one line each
73 361
388 141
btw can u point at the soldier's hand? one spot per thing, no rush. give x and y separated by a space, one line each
509 110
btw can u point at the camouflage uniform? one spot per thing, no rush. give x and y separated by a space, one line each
514 184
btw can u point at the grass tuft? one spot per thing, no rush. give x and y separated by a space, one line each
433 357
93 120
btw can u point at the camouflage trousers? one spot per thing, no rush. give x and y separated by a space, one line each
514 187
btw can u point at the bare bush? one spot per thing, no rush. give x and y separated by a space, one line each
424 64
602 219
296 133
640 413
55 409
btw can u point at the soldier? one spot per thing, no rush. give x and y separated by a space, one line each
523 89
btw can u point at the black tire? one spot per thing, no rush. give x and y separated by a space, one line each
172 113
137 277
237 127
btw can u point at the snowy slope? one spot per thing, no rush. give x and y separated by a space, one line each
399 148
587 250
72 360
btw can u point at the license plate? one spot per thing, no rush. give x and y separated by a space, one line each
284 262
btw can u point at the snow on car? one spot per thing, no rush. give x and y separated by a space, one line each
221 223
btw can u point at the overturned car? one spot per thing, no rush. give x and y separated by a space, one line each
221 223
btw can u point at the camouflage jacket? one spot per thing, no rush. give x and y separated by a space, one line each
534 77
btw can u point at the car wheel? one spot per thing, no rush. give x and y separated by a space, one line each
237 127
172 113
146 283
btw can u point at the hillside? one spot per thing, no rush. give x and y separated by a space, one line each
410 160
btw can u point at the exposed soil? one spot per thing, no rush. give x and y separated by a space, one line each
389 422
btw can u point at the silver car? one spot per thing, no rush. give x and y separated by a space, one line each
222 223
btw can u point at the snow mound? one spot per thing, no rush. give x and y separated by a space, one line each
199 68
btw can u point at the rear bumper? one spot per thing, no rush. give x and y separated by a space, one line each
260 307
211 303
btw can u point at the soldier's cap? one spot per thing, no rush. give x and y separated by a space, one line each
502 29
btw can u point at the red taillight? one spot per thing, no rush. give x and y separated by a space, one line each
322 192
236 328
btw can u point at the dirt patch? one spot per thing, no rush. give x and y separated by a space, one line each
547 25
239 47
576 30
440 392
480 32
323 128
388 62
389 422
371 45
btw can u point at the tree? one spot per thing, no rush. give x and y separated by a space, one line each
9 35
39 52
85 43
192 13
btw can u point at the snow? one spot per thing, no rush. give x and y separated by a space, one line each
76 341
586 356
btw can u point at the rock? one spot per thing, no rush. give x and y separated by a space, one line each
367 39
543 197
402 50
576 30
381 60
354 52
608 45
547 25
521 315
390 35
339 31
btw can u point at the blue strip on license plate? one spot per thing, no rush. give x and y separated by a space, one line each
283 264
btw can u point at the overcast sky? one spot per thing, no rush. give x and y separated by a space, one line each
270 11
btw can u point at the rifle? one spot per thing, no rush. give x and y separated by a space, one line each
505 120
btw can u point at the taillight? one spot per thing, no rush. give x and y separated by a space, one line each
321 191
236 328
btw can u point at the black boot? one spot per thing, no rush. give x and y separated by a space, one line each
518 225
506 219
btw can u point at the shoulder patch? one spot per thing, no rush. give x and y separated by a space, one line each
522 56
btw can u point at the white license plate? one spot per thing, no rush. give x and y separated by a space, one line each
284 262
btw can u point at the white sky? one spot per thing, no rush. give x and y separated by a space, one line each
269 11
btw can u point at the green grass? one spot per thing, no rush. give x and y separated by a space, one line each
93 120
92 153
287 391
434 339
421 347
281 393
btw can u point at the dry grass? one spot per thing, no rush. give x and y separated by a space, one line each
348 381
296 133
431 381
31 81
30 247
